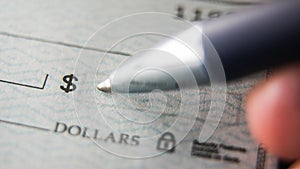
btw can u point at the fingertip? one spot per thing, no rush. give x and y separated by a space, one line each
273 113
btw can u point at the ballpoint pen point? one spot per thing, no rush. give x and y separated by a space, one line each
105 86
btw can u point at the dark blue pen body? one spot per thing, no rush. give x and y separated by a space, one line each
264 37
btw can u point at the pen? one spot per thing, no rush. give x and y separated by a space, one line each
262 37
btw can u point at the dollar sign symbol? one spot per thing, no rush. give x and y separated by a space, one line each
70 86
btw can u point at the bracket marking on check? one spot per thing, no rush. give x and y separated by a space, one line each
26 85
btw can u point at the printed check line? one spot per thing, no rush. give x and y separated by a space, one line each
26 85
61 43
24 125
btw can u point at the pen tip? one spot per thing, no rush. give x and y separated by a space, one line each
105 86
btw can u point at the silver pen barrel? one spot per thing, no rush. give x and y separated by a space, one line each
178 60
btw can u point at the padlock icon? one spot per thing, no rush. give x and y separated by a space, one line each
166 142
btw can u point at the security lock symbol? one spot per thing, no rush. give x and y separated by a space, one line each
166 142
